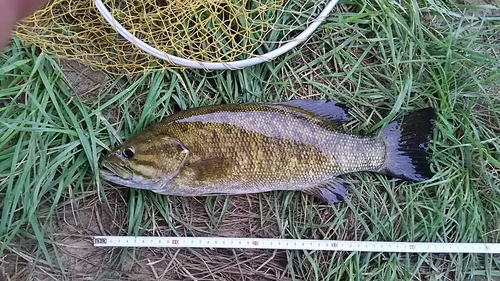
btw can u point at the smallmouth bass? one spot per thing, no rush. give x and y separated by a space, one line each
259 147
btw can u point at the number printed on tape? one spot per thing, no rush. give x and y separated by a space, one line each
100 241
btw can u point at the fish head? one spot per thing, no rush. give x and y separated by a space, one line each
145 163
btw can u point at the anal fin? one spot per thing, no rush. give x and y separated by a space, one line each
332 192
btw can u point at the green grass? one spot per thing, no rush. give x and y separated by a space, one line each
381 58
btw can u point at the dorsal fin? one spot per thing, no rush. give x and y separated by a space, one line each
331 110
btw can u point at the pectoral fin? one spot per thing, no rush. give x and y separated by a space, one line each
333 191
209 169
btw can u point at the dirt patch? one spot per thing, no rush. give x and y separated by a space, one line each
486 3
85 81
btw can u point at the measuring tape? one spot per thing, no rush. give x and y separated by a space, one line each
294 244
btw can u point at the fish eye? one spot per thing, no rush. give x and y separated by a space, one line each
128 153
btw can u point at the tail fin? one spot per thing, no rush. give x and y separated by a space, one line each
407 144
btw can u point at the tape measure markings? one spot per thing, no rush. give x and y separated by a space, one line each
294 244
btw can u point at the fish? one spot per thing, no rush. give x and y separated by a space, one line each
297 145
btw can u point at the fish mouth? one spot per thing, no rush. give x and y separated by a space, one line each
112 171
118 174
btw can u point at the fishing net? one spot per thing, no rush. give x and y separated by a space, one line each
199 30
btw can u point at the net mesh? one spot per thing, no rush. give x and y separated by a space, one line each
201 30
